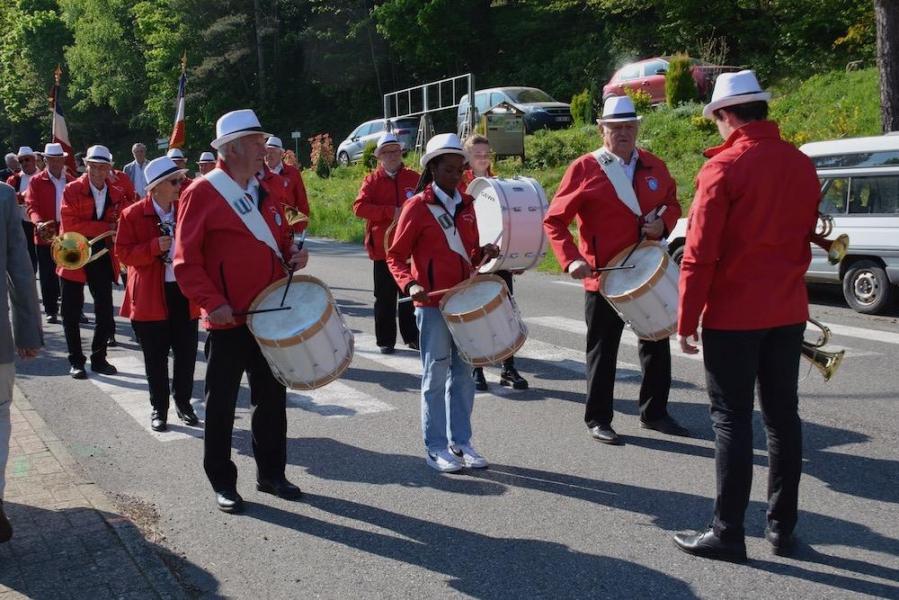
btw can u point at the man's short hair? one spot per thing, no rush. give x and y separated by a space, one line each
750 111
138 145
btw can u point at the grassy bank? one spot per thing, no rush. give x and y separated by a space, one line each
826 106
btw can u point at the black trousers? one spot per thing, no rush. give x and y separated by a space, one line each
99 282
177 334
28 228
230 352
49 281
604 328
387 311
734 362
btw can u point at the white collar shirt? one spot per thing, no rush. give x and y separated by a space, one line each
277 168
99 199
168 218
252 191
629 166
449 203
60 185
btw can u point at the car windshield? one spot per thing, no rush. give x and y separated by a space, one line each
523 96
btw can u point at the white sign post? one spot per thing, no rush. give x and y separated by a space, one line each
296 135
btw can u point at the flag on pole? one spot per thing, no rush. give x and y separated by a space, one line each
58 130
177 139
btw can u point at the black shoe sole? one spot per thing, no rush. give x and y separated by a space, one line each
189 421
615 442
159 429
733 558
267 489
514 386
231 510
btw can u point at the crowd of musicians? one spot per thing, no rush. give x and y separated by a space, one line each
204 248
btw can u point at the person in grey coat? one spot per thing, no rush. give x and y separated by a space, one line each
17 290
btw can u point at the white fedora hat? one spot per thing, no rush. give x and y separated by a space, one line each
443 143
735 88
176 153
24 151
98 154
160 169
236 124
206 157
618 109
54 151
387 139
274 142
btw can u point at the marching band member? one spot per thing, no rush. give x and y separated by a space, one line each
609 220
43 201
90 207
296 189
479 157
177 156
19 182
232 241
743 270
206 162
120 179
381 198
438 231
162 318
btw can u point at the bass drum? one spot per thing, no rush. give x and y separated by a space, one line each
510 214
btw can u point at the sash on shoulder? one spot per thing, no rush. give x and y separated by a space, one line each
611 166
449 230
235 197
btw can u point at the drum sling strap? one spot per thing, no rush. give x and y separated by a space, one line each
618 178
449 230
235 197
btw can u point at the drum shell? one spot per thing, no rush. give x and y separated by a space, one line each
490 333
517 211
313 357
650 307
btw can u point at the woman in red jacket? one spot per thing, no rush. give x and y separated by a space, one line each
428 222
161 316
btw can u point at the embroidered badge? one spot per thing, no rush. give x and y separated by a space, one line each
653 183
409 193
242 205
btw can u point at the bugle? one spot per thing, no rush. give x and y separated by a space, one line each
72 250
826 362
836 249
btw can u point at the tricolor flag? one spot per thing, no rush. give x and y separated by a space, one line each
59 132
177 139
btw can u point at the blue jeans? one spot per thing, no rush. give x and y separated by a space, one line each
447 389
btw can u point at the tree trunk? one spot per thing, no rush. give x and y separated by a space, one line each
259 18
886 14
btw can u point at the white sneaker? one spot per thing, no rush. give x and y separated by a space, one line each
444 461
468 456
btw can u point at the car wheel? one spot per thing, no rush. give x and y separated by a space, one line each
677 255
866 287
343 159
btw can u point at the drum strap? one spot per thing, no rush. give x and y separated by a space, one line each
618 178
235 197
449 230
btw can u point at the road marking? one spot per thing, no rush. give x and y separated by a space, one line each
877 335
336 399
404 361
572 283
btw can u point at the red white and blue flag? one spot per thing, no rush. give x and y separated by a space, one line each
177 138
59 132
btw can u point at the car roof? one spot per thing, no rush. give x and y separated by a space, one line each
852 145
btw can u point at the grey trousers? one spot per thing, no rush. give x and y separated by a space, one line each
7 376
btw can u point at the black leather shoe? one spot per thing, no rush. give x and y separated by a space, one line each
83 319
709 545
510 376
666 425
78 373
103 368
386 349
605 434
279 487
782 544
480 382
157 421
111 342
53 319
413 346
229 501
187 415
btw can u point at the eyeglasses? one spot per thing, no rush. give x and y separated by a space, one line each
176 182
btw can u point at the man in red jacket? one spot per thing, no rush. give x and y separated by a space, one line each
91 207
743 272
43 202
609 221
232 241
296 189
19 182
380 200
162 318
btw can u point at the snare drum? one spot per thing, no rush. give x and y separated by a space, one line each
484 320
645 296
307 346
510 211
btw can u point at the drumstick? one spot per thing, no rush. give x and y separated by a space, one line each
290 269
658 212
260 310
618 268
430 294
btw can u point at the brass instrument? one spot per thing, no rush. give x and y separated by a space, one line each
836 249
293 215
824 361
47 231
72 250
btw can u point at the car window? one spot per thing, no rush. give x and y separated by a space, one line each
833 196
376 127
405 124
481 102
874 195
629 72
363 129
529 95
496 98
650 68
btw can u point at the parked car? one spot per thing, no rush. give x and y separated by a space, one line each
350 149
541 111
649 75
860 191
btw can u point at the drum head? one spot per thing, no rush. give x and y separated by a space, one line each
647 259
474 296
488 208
308 300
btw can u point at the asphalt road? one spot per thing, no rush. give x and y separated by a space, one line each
557 515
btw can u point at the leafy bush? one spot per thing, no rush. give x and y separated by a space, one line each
369 160
679 84
582 108
546 149
641 98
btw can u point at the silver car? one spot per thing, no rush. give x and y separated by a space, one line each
350 149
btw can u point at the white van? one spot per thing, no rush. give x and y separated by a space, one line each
860 190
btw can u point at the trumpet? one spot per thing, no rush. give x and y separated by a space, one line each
72 250
293 215
836 249
826 362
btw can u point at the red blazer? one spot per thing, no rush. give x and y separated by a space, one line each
121 180
40 200
137 245
419 236
296 193
379 197
747 245
185 184
605 225
79 214
217 260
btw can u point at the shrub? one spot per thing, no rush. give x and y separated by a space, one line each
369 160
641 98
582 108
322 156
679 84
546 149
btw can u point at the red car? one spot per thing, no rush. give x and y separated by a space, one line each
649 75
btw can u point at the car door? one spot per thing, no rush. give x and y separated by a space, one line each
653 80
355 150
374 134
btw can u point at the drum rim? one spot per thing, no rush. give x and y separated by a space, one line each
303 335
656 336
646 285
484 361
471 315
333 376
